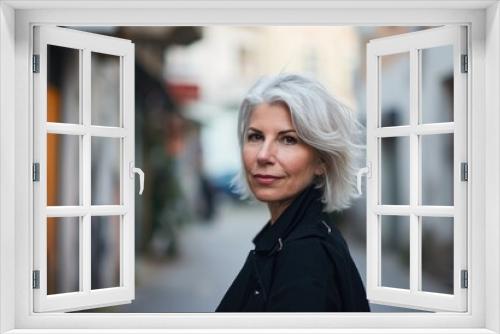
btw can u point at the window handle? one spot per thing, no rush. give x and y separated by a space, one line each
365 170
135 170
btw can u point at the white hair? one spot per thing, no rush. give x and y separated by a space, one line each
321 121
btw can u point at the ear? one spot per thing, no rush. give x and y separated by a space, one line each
320 168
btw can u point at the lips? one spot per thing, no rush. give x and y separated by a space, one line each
265 179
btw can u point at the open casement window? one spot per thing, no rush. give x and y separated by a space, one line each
83 170
417 153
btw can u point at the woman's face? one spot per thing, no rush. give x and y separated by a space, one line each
278 165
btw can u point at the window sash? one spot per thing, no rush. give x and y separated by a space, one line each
414 297
86 43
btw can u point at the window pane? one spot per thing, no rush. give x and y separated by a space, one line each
395 170
437 254
395 89
106 158
63 170
395 251
63 255
105 249
63 84
437 84
437 169
105 76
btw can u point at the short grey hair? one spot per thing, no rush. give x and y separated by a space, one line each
321 121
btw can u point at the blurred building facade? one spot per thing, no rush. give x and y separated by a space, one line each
189 84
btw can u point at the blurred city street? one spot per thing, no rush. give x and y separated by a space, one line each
210 256
191 234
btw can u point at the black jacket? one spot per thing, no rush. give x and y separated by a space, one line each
301 263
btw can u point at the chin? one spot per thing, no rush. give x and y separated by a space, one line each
268 195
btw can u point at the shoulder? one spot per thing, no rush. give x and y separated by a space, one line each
307 247
319 241
303 258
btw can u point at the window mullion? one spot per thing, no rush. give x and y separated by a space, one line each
86 170
414 179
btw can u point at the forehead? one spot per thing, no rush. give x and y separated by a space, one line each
270 116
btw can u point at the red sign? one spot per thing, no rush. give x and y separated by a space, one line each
183 92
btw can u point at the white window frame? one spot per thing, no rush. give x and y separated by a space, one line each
16 19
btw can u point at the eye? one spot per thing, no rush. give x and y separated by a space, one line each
254 136
289 140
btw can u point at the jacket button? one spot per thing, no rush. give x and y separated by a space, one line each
256 292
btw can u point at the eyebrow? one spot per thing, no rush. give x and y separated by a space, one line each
281 132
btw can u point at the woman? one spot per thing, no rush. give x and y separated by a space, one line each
298 153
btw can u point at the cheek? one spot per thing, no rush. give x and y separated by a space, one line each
248 157
298 163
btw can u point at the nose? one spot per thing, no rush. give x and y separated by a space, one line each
266 153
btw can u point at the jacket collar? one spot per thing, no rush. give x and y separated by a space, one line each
307 207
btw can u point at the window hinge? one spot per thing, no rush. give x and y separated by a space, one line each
36 63
36 172
36 279
465 279
465 65
464 174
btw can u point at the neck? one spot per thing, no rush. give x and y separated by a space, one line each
277 208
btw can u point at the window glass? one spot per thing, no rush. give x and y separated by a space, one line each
437 169
63 170
437 84
63 255
105 250
395 251
106 171
437 254
106 97
63 85
394 89
395 170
